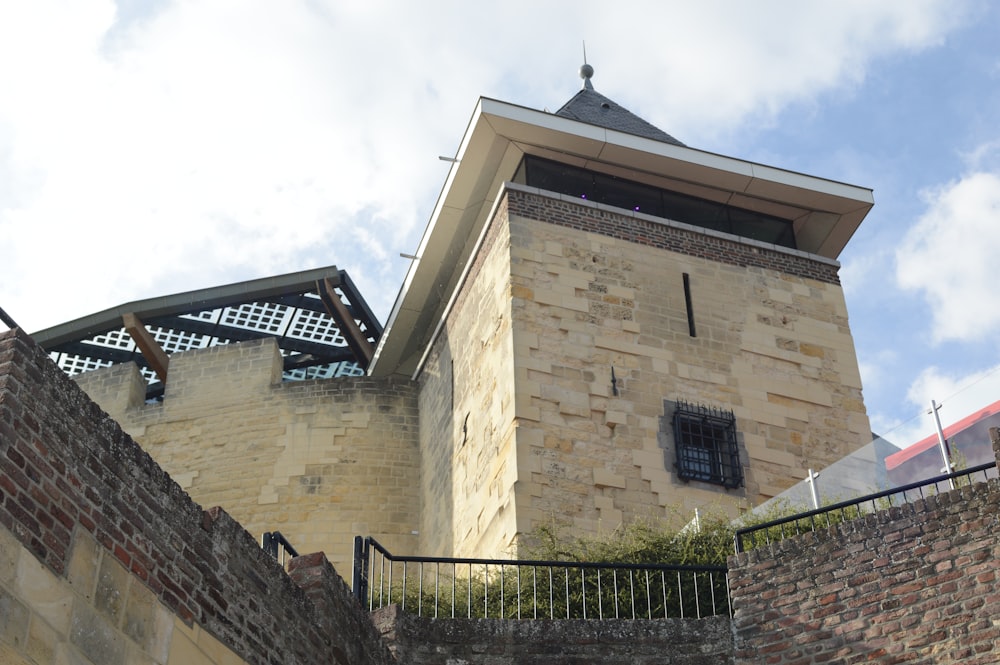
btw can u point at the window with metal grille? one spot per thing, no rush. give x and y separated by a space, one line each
706 447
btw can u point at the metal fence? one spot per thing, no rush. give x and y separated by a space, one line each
532 589
277 546
826 516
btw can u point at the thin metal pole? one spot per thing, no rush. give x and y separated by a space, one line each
811 479
518 592
942 444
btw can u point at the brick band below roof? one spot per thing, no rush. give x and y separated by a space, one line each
598 219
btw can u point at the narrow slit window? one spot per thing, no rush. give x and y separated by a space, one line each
687 303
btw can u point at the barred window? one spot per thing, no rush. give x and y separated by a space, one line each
705 445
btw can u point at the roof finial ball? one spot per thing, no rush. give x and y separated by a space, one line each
586 73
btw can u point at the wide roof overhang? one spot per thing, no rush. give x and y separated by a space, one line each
825 213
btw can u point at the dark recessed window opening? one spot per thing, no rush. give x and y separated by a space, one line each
706 447
687 303
622 193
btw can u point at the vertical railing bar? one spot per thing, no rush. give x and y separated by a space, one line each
600 596
404 586
420 588
502 612
534 593
469 586
552 600
518 592
583 589
631 590
454 583
729 597
486 591
388 590
680 592
614 578
649 598
381 577
711 585
566 571
663 587
697 600
437 588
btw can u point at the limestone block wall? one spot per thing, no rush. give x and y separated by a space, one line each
320 461
97 614
468 466
594 288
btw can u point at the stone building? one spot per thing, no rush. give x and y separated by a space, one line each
602 324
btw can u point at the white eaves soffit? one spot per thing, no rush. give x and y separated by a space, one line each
825 213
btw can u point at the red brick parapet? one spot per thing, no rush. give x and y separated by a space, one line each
66 467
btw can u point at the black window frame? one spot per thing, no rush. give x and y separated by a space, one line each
705 445
627 194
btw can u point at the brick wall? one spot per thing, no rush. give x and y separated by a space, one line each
422 641
664 234
107 560
914 584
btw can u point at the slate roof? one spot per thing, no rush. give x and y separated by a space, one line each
592 107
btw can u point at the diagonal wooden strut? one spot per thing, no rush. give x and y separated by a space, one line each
349 328
151 350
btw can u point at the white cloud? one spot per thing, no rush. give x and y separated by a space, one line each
958 396
206 142
950 255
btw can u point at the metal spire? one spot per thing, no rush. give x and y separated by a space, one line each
586 71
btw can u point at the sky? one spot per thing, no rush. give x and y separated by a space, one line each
158 146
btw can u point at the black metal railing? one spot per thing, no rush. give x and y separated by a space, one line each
277 546
827 516
442 587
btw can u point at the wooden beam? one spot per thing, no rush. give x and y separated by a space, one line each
153 353
348 326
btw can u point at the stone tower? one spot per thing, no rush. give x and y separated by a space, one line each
606 324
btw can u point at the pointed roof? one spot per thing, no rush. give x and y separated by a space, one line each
592 107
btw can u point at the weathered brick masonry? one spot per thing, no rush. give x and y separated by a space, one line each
663 234
69 476
917 583
92 527
423 641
